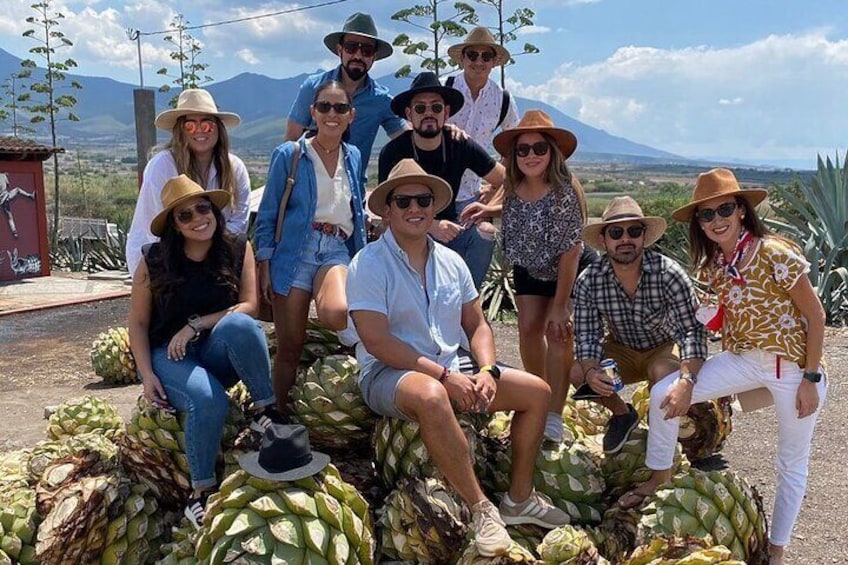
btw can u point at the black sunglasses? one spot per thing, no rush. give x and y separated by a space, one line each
185 215
725 210
435 107
487 56
403 201
367 50
539 148
617 232
324 107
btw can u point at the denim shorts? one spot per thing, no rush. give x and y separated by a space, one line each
379 390
321 251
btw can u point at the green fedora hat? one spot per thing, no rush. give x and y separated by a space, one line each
360 24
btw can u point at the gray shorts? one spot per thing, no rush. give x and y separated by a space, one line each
379 389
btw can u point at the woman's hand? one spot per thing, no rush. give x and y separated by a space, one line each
474 213
558 323
178 343
807 399
266 291
154 392
677 399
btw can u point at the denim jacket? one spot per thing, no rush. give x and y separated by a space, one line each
300 211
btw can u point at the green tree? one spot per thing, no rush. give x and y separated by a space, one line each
428 18
52 105
16 96
186 55
507 28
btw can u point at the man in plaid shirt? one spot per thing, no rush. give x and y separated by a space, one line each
635 306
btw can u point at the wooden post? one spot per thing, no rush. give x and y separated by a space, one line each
145 131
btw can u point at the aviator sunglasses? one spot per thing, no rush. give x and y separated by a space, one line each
617 232
324 107
367 50
725 210
403 201
435 107
539 148
185 215
487 56
206 125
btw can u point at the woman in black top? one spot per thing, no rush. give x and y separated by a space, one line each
191 327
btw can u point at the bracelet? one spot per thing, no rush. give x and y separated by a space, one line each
194 324
444 376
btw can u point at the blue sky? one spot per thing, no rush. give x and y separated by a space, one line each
753 80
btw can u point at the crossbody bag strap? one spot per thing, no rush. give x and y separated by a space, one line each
287 192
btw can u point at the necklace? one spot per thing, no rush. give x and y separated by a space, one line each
418 160
324 149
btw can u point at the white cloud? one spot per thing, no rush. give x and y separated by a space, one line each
777 96
247 56
534 30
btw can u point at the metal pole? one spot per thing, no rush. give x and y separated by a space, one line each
135 35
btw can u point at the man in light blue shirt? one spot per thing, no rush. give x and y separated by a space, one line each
412 301
358 47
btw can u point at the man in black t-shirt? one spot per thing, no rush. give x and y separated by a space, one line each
427 105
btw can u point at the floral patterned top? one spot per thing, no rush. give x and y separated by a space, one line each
760 314
536 234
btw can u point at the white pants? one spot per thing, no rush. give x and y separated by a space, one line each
730 373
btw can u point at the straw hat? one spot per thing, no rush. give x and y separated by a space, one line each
536 121
359 24
407 171
178 190
624 209
285 454
715 184
427 82
480 37
195 101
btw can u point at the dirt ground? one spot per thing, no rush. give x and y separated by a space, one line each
45 361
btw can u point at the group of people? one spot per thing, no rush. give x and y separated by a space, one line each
409 300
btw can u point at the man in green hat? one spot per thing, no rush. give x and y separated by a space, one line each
357 47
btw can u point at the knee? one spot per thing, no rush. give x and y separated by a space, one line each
529 328
211 406
533 390
658 392
430 403
240 329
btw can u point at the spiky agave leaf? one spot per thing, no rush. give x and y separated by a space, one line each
569 546
112 358
13 470
687 550
585 417
180 550
45 452
83 415
616 535
19 521
516 554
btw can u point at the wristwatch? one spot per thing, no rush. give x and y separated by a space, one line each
688 377
194 323
492 370
812 377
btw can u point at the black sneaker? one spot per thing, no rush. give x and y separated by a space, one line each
270 415
195 509
618 430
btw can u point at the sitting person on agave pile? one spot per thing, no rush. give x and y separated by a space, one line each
772 325
191 328
411 300
633 306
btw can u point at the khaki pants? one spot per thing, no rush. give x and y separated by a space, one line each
635 366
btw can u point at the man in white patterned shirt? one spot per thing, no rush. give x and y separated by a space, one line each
487 109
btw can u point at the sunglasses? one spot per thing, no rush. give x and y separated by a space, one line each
487 56
402 201
617 232
185 215
725 210
324 107
351 47
203 126
435 107
539 148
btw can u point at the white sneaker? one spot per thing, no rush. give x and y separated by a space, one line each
537 509
490 533
553 427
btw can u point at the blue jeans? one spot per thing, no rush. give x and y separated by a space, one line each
234 350
476 251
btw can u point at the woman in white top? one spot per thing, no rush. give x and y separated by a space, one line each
200 149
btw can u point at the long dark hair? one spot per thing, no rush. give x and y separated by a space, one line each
169 265
702 249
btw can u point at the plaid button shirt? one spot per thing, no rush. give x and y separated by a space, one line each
662 310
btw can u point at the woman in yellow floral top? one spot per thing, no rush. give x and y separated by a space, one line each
772 324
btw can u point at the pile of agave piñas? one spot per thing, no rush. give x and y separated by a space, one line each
101 490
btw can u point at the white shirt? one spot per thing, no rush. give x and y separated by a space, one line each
333 202
479 119
159 170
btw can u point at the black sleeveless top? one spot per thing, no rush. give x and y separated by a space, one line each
200 294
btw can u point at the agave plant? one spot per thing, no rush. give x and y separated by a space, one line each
816 216
497 292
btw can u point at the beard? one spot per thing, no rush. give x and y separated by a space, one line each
626 257
355 73
428 132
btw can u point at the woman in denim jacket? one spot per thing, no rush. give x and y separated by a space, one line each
324 227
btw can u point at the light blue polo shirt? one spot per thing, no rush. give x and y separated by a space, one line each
372 103
380 279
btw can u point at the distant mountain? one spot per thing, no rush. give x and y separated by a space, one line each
105 108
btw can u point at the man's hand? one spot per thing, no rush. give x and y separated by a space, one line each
486 388
806 399
598 382
461 391
677 399
445 230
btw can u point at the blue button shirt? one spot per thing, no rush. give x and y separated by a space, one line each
372 103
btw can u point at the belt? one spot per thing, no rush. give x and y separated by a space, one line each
329 229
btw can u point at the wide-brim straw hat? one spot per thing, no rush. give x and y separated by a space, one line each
427 82
195 101
539 122
359 24
624 209
407 171
480 36
285 454
716 183
178 190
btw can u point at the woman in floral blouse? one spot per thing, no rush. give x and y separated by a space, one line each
772 325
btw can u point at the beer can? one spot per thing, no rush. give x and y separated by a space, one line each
610 367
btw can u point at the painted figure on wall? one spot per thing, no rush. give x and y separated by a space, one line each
6 196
